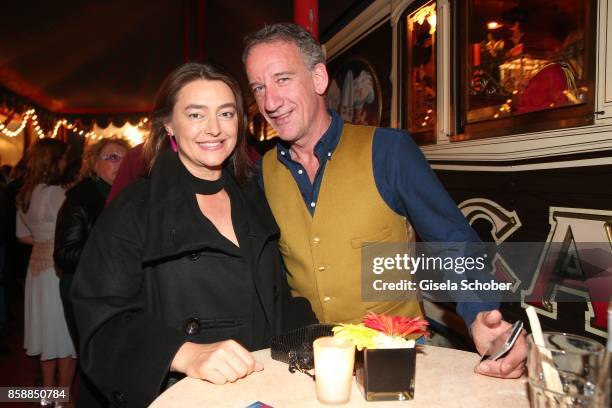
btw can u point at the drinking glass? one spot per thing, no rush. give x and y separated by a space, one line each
577 363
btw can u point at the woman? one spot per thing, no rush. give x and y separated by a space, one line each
185 260
84 203
38 202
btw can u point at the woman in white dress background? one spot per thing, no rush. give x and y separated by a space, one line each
38 202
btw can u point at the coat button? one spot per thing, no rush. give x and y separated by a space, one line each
195 256
118 399
192 326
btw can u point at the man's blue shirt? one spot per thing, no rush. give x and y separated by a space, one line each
406 183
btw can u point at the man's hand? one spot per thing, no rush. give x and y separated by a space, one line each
219 363
486 327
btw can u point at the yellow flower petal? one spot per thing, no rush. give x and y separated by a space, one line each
362 336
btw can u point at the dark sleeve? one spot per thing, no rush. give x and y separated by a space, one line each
259 173
124 350
410 187
70 235
297 311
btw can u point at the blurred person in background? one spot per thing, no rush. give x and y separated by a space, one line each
5 174
84 203
77 216
38 201
17 254
71 173
4 180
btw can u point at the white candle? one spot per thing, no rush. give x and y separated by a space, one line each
334 360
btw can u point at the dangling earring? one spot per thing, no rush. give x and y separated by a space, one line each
172 141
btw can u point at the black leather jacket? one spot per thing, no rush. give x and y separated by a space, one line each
84 203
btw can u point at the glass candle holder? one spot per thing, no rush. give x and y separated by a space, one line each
334 360
386 374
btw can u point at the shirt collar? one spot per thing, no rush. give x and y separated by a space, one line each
325 146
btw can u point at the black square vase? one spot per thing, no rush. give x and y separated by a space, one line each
386 374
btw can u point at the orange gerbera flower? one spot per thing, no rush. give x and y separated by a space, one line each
400 326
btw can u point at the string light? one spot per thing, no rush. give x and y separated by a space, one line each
22 125
57 126
37 127
32 117
135 134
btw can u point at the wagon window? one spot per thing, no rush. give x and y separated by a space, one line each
525 65
419 71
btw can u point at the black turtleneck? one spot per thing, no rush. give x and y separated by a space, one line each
201 186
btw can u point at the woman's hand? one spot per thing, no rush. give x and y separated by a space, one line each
221 362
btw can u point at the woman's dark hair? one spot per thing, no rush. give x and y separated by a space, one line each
166 98
71 173
43 167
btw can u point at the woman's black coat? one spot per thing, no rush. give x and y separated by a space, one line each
137 289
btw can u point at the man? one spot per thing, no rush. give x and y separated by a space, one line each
334 186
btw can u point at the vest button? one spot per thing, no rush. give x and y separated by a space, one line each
326 299
316 240
321 268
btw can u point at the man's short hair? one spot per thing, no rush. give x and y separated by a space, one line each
309 47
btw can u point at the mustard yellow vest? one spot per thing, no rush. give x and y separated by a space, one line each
323 253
